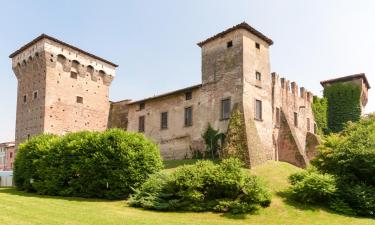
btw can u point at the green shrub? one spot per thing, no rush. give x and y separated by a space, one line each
204 186
86 164
349 156
312 187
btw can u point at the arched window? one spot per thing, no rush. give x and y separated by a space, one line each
90 69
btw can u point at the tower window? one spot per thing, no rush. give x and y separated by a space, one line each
257 45
258 110
188 95
258 75
73 75
24 99
229 44
225 109
35 95
295 119
164 120
141 124
308 124
79 99
142 106
188 116
277 116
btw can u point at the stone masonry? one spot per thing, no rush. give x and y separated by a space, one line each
72 94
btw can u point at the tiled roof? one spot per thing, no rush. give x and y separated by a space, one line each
242 25
347 78
44 36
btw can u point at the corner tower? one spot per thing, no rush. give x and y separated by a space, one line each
61 88
236 68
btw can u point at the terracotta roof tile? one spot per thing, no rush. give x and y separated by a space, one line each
347 78
242 25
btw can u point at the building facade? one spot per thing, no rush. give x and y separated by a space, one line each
62 89
7 154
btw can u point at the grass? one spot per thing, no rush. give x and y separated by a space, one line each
23 208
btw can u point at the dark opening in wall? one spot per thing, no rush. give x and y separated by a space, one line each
188 95
79 99
225 108
164 120
142 106
258 110
35 94
257 45
73 75
295 119
229 44
258 75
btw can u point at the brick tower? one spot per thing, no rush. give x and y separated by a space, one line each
61 88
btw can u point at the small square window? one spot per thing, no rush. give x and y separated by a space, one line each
257 45
188 95
79 99
229 44
258 75
73 75
142 106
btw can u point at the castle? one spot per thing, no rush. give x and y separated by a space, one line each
62 88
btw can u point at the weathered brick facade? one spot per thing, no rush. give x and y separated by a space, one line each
7 155
72 94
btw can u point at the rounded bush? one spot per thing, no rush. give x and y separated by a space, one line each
87 164
203 186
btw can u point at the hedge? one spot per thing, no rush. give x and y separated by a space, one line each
86 164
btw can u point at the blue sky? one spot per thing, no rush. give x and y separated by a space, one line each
154 42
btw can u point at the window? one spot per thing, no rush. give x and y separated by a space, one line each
225 109
295 119
229 44
258 75
258 110
141 124
10 154
164 120
188 95
35 95
28 136
79 99
308 124
73 75
277 116
315 128
257 45
188 116
142 106
24 99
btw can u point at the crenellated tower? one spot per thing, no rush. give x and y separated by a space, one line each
61 88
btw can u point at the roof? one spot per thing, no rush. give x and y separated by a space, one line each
242 25
7 144
44 36
347 78
166 94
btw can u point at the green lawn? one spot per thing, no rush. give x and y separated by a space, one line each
23 208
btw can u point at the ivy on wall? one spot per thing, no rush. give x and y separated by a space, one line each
319 108
343 105
235 144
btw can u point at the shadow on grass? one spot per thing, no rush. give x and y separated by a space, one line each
171 164
288 200
14 191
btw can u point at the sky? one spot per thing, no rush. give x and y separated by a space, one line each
154 42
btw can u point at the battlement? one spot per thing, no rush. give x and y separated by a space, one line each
291 88
52 52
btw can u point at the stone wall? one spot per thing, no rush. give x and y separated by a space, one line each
66 90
